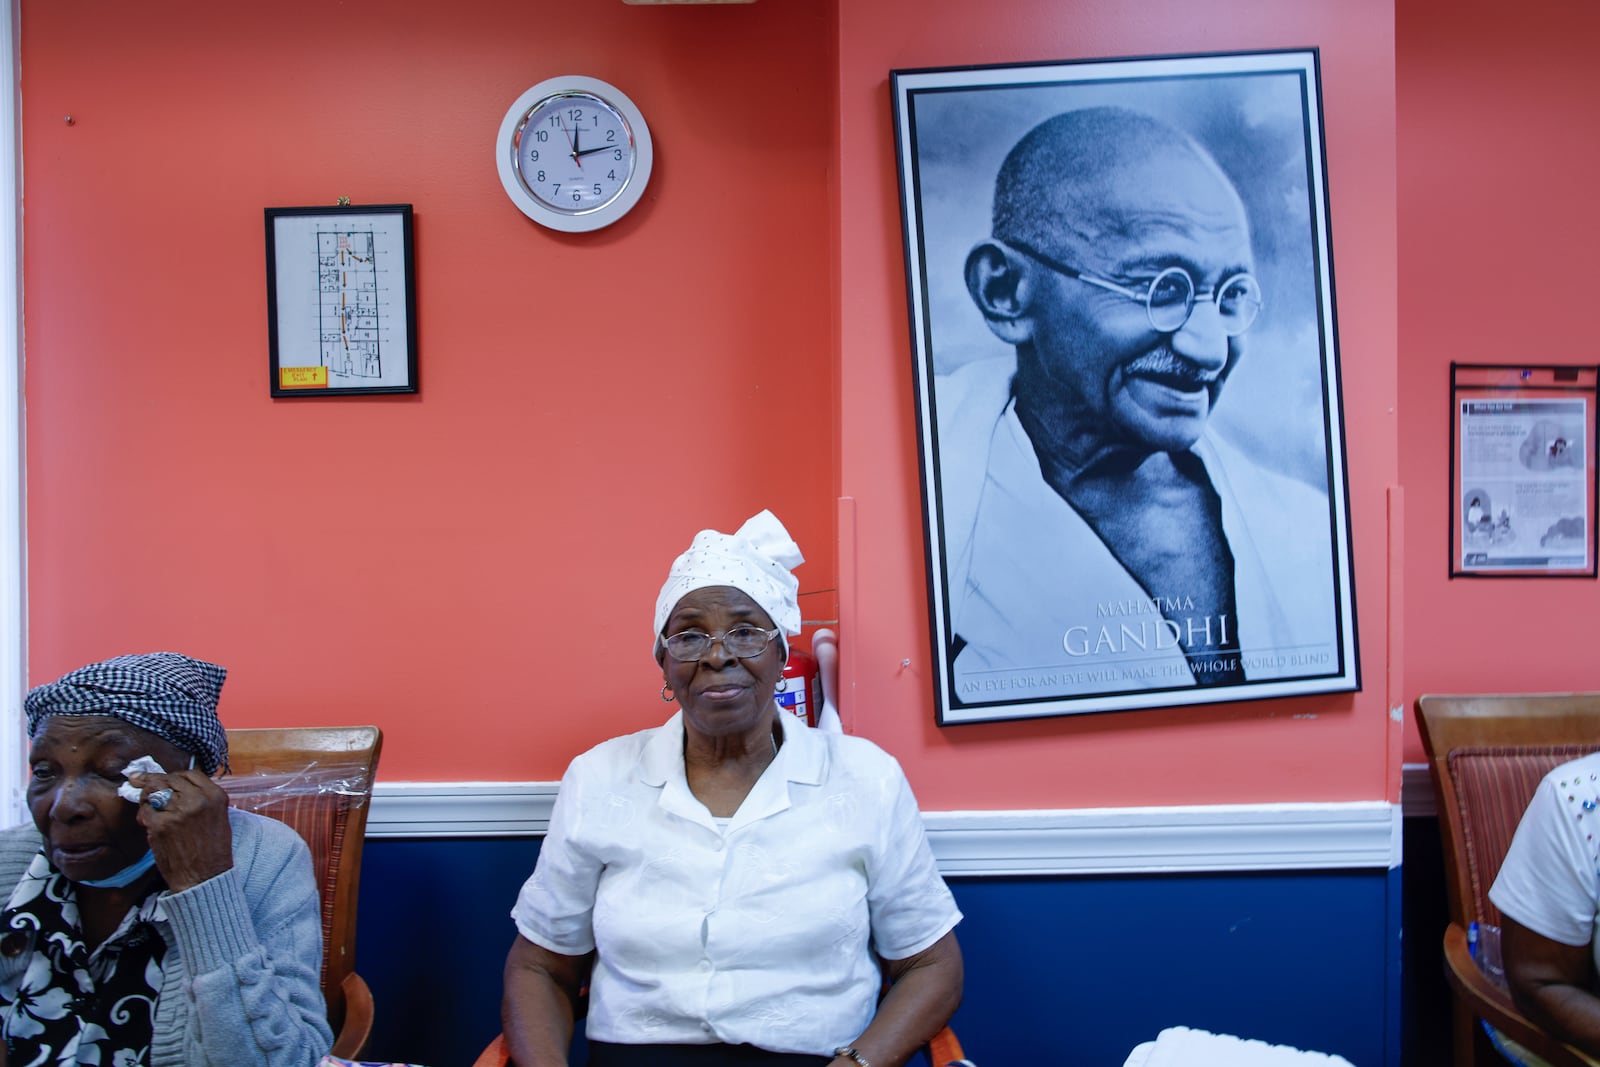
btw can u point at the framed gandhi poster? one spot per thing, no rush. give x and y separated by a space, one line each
1127 384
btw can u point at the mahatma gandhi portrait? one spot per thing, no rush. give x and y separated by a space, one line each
1100 534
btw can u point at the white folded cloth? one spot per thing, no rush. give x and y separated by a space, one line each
143 765
1179 1046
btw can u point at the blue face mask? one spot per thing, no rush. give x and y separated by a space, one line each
127 876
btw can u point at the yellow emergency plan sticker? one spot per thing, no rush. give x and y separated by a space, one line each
302 377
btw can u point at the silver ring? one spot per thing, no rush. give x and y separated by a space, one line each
159 799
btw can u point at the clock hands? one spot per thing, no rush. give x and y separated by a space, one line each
562 126
574 140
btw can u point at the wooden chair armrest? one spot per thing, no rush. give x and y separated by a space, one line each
1489 1002
944 1049
356 1028
495 1055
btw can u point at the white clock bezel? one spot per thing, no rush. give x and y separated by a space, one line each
505 155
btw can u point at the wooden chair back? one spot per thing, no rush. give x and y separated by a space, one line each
318 780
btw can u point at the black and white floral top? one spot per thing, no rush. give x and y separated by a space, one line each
70 1005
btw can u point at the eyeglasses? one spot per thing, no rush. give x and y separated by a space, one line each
743 642
1170 298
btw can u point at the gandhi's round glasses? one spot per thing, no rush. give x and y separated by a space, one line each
1170 297
741 641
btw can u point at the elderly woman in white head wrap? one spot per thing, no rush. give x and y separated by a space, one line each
731 886
144 921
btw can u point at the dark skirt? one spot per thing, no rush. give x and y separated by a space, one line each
605 1054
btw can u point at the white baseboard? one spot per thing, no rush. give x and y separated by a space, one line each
1215 837
460 809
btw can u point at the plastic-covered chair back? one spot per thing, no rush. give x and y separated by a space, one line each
318 780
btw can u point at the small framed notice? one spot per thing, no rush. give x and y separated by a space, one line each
1522 457
341 307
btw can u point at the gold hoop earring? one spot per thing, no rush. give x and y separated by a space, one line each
667 695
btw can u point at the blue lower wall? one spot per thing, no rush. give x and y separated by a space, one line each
1061 970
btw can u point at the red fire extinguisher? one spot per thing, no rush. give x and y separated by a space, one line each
801 696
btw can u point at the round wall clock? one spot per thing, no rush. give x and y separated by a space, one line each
574 153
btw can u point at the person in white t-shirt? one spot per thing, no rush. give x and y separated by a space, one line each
1548 893
732 886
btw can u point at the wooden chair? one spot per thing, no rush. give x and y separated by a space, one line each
318 780
1487 754
943 1051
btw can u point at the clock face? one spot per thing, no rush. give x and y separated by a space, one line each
574 153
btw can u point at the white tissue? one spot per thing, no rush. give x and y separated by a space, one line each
143 765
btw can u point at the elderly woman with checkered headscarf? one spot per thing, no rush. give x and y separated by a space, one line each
145 922
732 886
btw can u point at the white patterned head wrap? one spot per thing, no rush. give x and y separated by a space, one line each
167 693
756 560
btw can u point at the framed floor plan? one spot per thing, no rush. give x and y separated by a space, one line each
341 310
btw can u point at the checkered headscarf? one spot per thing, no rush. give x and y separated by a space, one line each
169 694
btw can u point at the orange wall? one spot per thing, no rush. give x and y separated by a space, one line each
474 568
1307 748
460 590
1497 150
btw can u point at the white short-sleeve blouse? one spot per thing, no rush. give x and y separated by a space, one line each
766 933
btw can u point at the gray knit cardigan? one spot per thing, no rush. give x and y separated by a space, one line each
241 976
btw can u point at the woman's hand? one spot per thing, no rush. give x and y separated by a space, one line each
190 835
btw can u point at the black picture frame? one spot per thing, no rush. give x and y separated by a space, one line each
1524 470
1032 611
341 301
